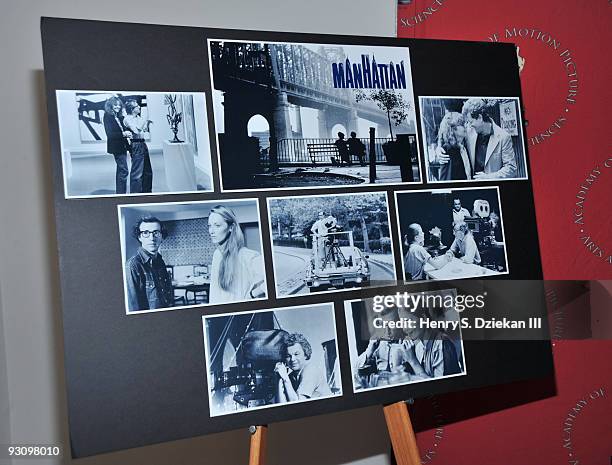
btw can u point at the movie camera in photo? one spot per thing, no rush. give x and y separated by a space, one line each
451 233
327 243
272 357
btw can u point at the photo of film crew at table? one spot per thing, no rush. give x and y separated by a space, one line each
179 255
451 234
473 138
325 243
396 345
116 143
305 115
268 358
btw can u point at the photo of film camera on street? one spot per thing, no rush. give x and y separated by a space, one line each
330 242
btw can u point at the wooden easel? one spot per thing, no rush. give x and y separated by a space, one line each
259 437
398 423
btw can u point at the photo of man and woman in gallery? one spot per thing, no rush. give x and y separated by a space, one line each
133 143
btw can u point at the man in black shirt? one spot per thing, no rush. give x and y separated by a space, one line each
343 150
148 283
356 147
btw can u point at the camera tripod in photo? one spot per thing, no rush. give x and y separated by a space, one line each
251 383
332 253
336 262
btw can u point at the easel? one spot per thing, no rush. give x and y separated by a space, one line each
398 423
259 437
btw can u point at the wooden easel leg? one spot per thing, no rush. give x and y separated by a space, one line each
402 435
257 453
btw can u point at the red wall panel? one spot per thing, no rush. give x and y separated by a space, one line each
565 82
564 50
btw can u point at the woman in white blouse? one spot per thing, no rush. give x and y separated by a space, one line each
237 273
141 176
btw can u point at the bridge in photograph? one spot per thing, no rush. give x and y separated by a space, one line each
265 79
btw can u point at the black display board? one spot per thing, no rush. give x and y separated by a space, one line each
134 380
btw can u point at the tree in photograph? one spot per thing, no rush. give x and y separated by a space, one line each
367 208
389 101
301 213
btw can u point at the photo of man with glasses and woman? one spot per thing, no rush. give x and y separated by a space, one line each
179 255
133 143
473 138
451 234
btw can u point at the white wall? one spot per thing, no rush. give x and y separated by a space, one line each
5 423
155 110
29 282
246 212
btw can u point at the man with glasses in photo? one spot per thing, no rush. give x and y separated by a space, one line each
149 285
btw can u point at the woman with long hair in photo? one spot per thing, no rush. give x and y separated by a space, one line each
236 271
141 175
117 140
451 138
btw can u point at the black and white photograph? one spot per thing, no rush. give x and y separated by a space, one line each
451 233
330 242
473 138
397 345
274 357
302 115
178 255
118 143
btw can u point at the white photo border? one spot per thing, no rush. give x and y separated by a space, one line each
459 97
364 185
122 240
204 138
451 189
348 318
250 312
330 195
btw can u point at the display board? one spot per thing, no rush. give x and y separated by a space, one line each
231 206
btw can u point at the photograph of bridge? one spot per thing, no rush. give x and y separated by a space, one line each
301 115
